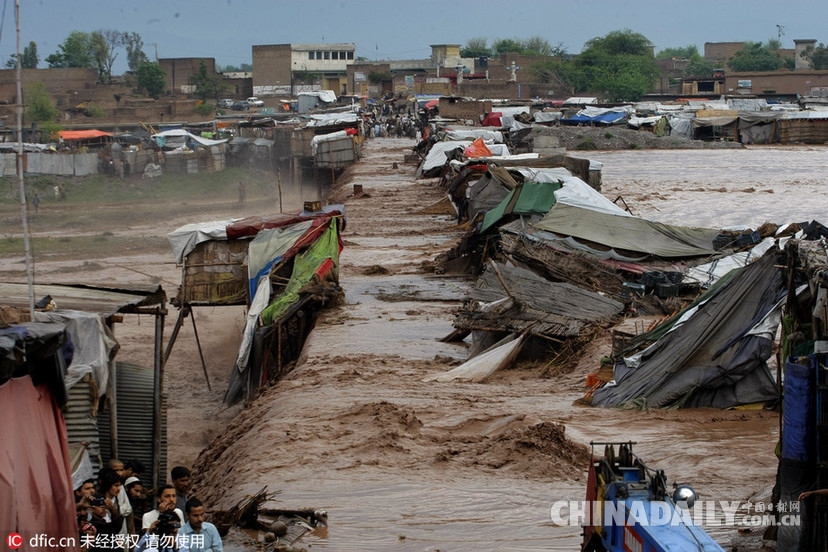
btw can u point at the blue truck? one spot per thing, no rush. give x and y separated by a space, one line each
631 510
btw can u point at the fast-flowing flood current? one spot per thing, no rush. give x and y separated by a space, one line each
392 458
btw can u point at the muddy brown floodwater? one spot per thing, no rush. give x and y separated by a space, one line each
405 464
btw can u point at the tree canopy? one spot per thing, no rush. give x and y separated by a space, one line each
244 67
98 49
151 78
104 43
756 56
74 51
680 52
28 59
817 57
208 85
135 50
699 67
619 66
40 107
507 45
475 48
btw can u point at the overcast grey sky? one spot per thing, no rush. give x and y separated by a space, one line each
226 29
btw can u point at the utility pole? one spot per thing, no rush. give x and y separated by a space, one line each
26 239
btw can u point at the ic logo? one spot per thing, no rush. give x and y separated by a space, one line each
14 540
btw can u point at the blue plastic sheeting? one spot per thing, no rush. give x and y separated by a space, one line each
605 118
798 411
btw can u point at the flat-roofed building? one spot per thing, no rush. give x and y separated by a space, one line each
280 69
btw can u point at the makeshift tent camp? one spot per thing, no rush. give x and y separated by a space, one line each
712 354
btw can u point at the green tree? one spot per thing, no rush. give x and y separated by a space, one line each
817 57
699 67
553 71
681 52
135 50
244 67
75 51
151 78
207 85
103 45
755 56
475 48
507 45
537 46
40 107
619 66
30 58
376 77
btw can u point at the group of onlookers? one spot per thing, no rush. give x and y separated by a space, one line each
116 511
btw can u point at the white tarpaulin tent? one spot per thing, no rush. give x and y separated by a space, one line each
178 137
184 239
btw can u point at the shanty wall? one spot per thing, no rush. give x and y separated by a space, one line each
79 164
803 131
215 273
510 90
465 109
84 164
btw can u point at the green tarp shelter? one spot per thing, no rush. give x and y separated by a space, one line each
526 199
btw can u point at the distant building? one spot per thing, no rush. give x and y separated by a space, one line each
179 71
721 52
801 46
445 55
281 69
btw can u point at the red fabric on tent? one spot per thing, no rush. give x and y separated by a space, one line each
477 149
35 478
492 119
250 226
81 134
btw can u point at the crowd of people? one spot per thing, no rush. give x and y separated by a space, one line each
117 512
394 119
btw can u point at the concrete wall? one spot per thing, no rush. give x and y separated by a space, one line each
777 82
358 74
800 46
508 90
720 52
271 65
322 58
473 110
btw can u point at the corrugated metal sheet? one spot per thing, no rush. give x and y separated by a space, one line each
104 300
134 397
81 421
8 164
